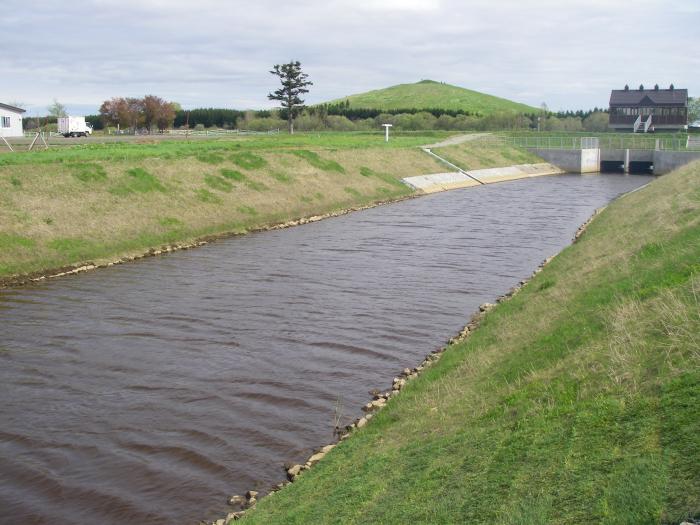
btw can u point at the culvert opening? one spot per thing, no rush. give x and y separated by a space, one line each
612 166
641 167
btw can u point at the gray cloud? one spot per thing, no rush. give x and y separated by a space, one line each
214 53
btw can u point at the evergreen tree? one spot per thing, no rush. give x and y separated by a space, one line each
294 83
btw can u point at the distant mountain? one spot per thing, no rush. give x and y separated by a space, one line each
428 94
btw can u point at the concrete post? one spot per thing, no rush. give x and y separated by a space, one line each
627 161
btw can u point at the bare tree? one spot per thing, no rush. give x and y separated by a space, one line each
294 83
57 109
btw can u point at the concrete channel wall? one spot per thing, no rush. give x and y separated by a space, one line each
589 160
666 161
571 160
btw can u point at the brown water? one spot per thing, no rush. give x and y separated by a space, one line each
148 393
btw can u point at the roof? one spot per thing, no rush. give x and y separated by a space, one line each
12 108
659 97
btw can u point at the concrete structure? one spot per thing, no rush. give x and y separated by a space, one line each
666 161
11 121
571 160
464 179
591 160
645 110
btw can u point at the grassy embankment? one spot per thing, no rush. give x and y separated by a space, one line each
485 153
577 401
428 94
98 203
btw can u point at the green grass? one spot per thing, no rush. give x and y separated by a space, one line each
429 94
89 172
316 161
485 154
248 160
119 200
137 180
248 210
205 195
575 402
281 177
218 183
232 175
256 186
210 158
9 241
180 149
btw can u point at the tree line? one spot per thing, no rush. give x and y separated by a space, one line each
313 119
150 112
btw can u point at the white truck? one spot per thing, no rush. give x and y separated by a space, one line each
74 127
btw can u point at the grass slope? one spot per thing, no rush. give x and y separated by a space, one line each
428 94
479 154
100 203
578 401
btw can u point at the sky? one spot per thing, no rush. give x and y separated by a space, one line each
213 53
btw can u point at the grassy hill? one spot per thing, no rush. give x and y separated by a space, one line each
577 401
428 94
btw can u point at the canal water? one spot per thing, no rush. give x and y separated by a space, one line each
149 392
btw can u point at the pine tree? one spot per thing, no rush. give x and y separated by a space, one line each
294 83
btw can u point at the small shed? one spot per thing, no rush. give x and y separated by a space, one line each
643 110
11 121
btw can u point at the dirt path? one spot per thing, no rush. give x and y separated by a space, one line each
457 139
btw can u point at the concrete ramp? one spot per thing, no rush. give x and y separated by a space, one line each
453 180
440 182
520 171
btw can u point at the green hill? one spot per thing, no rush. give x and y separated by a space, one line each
428 94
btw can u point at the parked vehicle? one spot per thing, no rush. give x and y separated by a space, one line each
74 127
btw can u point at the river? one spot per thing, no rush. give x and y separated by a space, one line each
150 392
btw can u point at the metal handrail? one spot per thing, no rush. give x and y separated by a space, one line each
619 142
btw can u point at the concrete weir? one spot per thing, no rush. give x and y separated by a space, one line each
590 160
463 179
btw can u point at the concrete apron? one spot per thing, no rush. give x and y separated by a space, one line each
453 180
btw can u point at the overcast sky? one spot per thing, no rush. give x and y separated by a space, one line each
204 53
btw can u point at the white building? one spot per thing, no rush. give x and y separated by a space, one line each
11 121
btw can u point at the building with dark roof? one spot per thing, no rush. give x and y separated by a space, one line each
644 110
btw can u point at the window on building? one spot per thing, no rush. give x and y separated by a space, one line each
5 122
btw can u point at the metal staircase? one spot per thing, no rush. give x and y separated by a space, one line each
642 126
